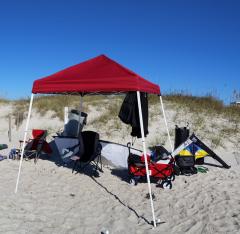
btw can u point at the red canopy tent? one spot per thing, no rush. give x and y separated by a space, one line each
98 75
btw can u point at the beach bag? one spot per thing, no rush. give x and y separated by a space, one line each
186 164
159 153
13 154
185 161
3 146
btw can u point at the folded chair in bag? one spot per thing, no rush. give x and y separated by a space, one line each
35 146
91 154
185 160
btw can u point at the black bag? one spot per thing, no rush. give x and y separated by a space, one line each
185 161
186 164
160 153
181 135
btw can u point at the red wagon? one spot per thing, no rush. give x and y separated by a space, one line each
162 170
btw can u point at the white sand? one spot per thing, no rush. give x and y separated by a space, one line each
53 200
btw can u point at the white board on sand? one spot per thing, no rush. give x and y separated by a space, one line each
117 153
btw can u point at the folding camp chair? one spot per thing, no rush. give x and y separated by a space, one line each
35 146
91 154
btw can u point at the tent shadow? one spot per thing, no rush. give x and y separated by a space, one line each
121 202
56 158
121 173
213 165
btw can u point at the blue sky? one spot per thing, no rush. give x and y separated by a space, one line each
181 45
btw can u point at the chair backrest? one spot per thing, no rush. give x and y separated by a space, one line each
74 124
80 145
39 133
39 137
90 142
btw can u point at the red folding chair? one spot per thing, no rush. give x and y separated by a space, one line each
35 146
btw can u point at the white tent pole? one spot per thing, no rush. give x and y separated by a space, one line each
80 113
24 141
165 120
145 155
66 115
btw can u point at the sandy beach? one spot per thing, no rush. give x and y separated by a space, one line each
52 199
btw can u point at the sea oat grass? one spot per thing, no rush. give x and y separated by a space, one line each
4 100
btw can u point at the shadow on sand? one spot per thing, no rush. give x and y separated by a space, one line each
122 173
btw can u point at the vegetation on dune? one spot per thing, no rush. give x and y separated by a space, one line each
56 103
204 104
207 103
207 115
4 100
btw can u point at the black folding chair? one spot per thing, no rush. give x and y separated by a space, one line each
91 154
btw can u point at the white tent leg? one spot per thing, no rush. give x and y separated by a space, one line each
66 115
80 113
24 141
165 120
145 156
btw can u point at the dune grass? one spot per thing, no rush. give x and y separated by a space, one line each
4 100
208 116
56 103
199 109
204 104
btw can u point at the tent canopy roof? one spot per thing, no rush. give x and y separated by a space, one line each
97 75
